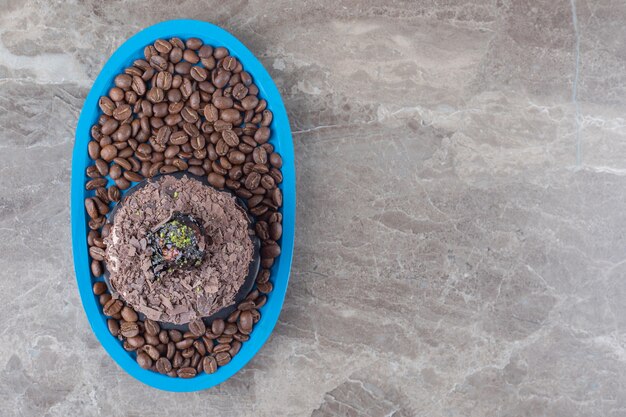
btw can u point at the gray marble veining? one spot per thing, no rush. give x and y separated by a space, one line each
460 237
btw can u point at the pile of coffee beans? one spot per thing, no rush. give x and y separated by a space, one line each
185 107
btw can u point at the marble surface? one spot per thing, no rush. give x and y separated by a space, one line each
461 187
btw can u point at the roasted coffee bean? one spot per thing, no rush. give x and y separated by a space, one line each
265 288
132 176
189 115
104 298
151 340
245 321
112 307
183 344
196 170
216 180
188 353
230 116
224 339
158 62
222 358
109 126
152 351
197 327
260 302
114 327
267 182
175 336
222 102
116 94
153 328
95 183
222 347
106 105
249 102
122 112
252 180
277 197
276 231
168 169
95 224
96 253
155 95
245 305
218 326
262 134
122 183
99 242
102 166
235 348
230 329
209 364
123 81
198 345
243 193
91 236
179 137
259 156
129 314
93 149
127 347
198 73
270 250
96 268
129 329
92 209
177 361
108 153
99 288
163 365
176 55
135 341
144 360
186 372
220 77
122 162
233 317
114 193
92 172
170 350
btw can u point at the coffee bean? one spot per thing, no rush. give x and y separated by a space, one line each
270 250
235 348
265 288
216 180
163 365
230 329
112 307
245 321
116 94
276 231
144 360
99 288
129 314
259 156
222 358
95 224
179 138
122 183
198 73
233 317
197 327
132 176
249 102
184 344
224 339
261 169
96 253
129 329
220 77
252 180
108 153
91 208
104 298
175 336
122 112
114 327
277 197
262 134
114 193
123 81
152 328
260 302
135 341
245 305
186 372
96 268
222 102
151 351
222 347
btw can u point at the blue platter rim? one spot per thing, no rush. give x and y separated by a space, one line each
281 139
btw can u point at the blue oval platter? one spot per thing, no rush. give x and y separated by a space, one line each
280 138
